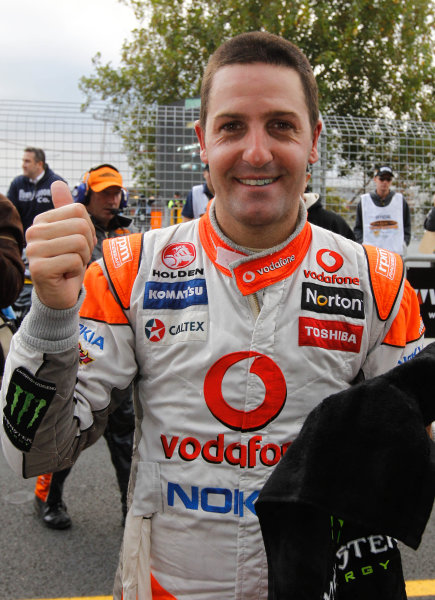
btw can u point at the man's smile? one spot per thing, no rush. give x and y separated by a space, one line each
257 182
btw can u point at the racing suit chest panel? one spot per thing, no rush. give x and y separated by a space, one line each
222 393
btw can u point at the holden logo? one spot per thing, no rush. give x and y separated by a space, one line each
178 256
329 260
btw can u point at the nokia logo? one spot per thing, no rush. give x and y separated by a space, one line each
332 300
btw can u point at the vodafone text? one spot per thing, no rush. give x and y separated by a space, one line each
337 279
217 451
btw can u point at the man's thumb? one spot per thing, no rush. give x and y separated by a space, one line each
60 194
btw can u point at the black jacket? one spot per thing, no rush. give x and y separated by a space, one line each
32 199
329 220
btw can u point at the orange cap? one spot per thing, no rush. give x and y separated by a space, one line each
104 177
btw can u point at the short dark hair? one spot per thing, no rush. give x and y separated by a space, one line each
261 47
38 153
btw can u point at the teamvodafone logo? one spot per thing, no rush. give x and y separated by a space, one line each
329 260
179 256
274 398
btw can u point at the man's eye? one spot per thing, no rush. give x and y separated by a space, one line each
231 126
282 125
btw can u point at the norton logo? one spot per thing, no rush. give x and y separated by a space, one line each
274 398
154 330
179 256
329 260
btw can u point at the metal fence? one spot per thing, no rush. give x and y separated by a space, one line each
156 150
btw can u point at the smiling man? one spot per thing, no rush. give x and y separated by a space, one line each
233 327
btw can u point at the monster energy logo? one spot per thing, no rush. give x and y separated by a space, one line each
27 401
29 397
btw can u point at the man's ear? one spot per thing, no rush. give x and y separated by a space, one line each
200 134
314 154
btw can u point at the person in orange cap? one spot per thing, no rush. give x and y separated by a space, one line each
102 192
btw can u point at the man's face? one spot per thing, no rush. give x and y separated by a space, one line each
383 184
257 142
206 174
31 167
101 204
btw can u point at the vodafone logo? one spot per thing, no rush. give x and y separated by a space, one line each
329 260
179 256
248 277
154 330
274 399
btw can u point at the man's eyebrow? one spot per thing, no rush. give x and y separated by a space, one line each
268 114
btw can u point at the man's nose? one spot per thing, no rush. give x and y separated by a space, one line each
257 151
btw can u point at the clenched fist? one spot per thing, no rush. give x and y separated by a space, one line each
59 248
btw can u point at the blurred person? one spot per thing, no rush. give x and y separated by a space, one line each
233 327
383 217
320 216
198 198
12 272
30 192
427 243
102 192
176 202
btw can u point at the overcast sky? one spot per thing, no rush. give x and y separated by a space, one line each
47 45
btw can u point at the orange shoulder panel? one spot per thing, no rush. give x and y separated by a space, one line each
386 275
122 258
99 304
408 324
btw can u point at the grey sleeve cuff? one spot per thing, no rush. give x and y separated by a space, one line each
50 330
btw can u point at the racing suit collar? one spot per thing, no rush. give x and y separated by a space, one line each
254 271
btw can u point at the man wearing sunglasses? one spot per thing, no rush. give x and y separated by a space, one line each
382 217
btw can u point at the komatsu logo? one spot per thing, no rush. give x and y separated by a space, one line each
175 296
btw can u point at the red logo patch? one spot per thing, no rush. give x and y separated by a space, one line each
329 260
179 256
331 335
274 398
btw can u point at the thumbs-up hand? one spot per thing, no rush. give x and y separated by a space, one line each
59 248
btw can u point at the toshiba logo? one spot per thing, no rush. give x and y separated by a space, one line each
331 335
120 251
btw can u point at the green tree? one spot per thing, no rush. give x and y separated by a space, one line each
370 57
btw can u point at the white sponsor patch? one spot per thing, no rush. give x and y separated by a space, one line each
166 329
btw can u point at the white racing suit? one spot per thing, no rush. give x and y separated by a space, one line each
229 352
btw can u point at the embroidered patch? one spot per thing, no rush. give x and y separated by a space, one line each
27 401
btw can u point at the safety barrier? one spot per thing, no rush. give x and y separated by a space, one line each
421 275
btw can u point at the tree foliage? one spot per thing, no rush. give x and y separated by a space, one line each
372 58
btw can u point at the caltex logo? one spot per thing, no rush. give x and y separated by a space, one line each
179 256
154 330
